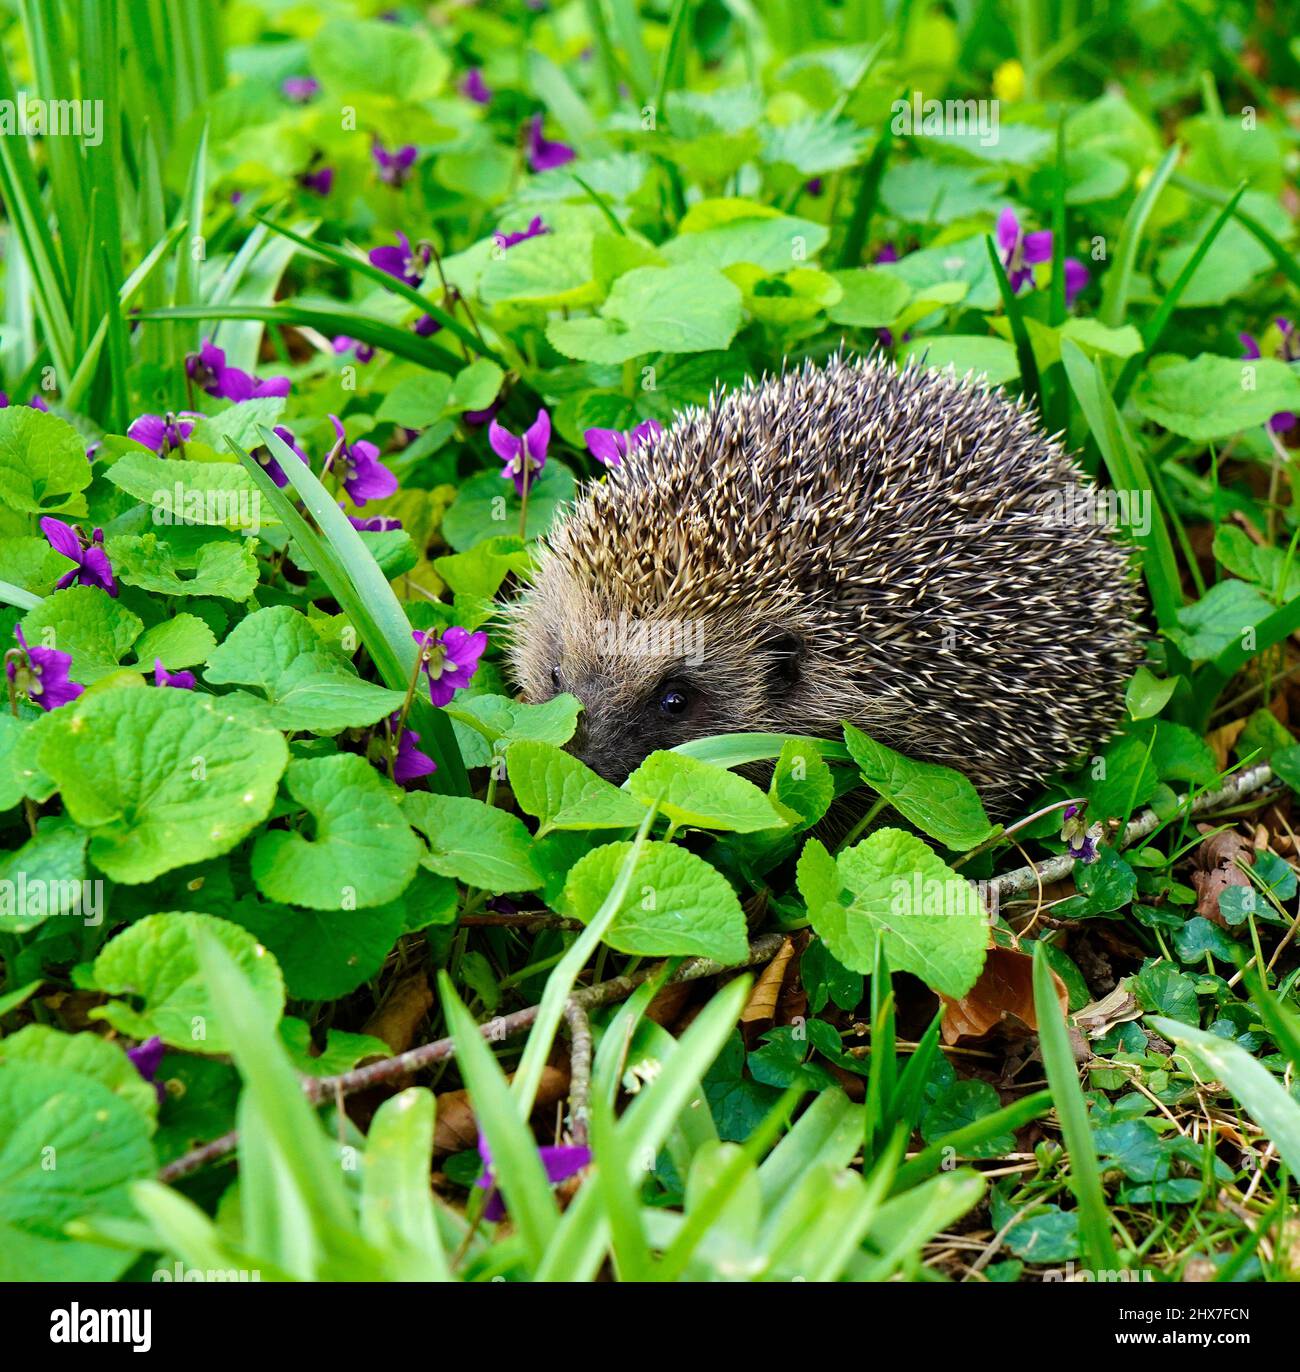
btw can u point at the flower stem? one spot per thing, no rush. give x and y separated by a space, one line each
523 500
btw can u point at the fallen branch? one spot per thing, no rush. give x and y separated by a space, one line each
319 1089
1239 787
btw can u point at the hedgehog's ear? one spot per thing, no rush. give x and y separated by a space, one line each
782 653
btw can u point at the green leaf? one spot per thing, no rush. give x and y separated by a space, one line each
486 506
156 960
47 877
892 888
475 843
992 358
1219 620
219 494
702 796
938 800
802 782
184 640
324 954
1162 987
721 233
30 564
1214 397
475 387
361 851
685 309
677 904
563 793
310 686
963 1104
416 401
160 778
43 467
69 1147
872 299
367 55
179 565
502 720
89 1055
88 623
481 571
1146 695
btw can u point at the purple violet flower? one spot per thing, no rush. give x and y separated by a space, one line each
183 681
611 446
319 182
147 1058
394 167
449 661
399 261
560 1162
300 90
426 326
887 253
161 434
363 351
208 369
42 674
92 567
364 476
273 468
523 455
375 524
1076 279
543 154
38 403
475 88
1021 250
813 187
535 229
1287 351
1076 832
409 763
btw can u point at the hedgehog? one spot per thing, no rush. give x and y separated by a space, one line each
899 548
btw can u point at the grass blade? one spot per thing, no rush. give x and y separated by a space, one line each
352 263
1252 1085
559 985
1030 382
1169 303
1128 473
1072 1111
516 1163
1118 281
329 320
344 563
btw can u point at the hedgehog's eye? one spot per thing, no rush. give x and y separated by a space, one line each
555 677
674 701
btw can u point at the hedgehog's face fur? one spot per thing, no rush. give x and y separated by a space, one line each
658 679
899 549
